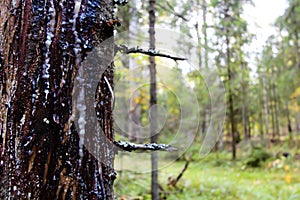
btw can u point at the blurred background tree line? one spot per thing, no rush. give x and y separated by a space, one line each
262 89
262 124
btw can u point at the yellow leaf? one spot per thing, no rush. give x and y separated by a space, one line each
296 93
286 168
288 178
289 63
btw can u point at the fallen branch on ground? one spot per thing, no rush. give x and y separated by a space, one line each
173 182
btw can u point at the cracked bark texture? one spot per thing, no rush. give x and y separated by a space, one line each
42 45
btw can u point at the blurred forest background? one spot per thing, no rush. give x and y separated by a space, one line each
257 155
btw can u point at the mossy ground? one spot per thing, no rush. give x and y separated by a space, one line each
218 177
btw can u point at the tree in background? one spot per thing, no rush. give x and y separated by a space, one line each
231 31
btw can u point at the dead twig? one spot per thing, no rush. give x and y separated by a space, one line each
173 182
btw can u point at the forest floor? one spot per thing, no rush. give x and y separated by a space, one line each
218 177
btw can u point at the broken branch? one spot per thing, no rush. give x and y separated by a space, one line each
128 146
173 182
150 52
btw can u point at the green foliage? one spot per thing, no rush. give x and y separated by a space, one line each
257 156
205 180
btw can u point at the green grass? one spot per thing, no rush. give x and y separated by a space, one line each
217 177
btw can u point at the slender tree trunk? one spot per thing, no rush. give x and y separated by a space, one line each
297 125
244 121
249 130
231 116
153 102
261 126
276 102
205 52
297 47
273 114
42 46
244 105
289 124
272 109
135 116
198 31
204 32
230 94
266 105
200 59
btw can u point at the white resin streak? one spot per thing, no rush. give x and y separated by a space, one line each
49 39
111 92
81 107
77 49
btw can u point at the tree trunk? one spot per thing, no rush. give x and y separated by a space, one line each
297 125
266 105
261 126
273 111
231 116
230 92
153 102
245 128
135 115
204 32
42 46
276 102
205 49
249 129
244 104
289 124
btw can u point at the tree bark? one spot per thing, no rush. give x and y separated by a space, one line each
153 102
43 44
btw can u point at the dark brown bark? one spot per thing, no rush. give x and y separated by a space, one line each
42 46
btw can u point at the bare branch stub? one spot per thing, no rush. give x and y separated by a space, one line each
149 52
128 146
